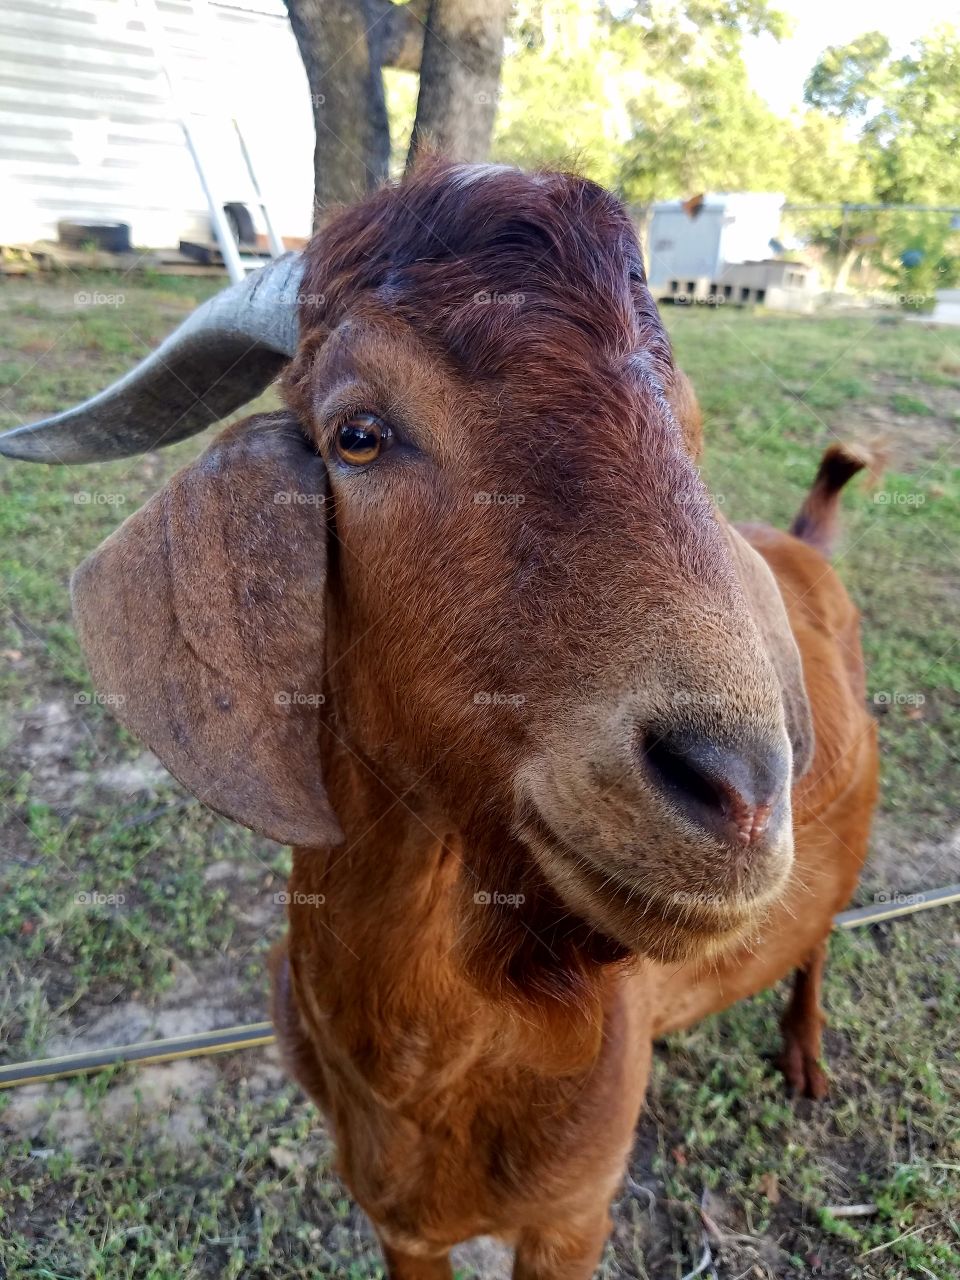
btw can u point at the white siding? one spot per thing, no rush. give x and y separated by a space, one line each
734 227
683 248
87 129
752 221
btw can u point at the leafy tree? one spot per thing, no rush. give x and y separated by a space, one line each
906 111
706 129
566 87
648 97
824 164
848 78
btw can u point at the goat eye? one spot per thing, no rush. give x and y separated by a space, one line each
362 439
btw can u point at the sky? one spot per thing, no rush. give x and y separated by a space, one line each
777 71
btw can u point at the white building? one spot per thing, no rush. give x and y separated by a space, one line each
720 249
726 228
88 130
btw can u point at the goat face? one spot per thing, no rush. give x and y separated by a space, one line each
535 616
481 533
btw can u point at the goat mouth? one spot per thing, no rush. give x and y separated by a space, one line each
668 927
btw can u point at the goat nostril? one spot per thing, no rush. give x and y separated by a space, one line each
729 792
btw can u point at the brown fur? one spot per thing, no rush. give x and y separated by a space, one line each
474 975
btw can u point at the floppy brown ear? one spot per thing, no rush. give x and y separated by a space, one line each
686 408
766 606
202 621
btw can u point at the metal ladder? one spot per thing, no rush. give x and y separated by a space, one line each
237 266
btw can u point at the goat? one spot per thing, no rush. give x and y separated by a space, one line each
567 761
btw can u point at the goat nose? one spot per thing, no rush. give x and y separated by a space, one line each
730 792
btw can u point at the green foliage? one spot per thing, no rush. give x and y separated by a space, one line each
704 129
909 108
649 99
848 77
928 258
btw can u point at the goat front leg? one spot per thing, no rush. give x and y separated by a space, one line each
409 1266
566 1252
802 1026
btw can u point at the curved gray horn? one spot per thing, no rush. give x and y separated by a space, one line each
221 357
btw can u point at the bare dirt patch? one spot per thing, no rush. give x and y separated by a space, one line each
913 438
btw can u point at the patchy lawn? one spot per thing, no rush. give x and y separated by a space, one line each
217 1167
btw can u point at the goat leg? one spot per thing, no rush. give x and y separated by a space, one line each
407 1266
802 1026
564 1253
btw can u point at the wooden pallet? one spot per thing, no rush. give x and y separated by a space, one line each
49 255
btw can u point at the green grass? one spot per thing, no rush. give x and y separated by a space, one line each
219 1168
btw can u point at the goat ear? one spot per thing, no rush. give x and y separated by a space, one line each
202 621
766 606
686 408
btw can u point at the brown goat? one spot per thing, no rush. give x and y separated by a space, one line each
576 789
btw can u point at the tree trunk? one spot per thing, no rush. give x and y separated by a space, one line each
460 77
842 278
340 45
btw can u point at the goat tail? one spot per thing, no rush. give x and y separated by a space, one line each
817 521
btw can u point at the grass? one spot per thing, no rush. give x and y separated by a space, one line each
127 910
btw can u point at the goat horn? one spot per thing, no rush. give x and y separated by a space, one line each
221 357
